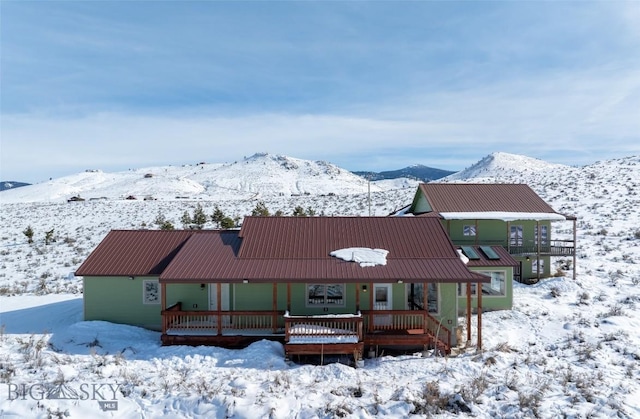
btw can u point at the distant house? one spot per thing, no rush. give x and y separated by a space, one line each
276 278
76 198
511 216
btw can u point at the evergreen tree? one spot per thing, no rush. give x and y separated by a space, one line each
298 211
199 218
260 210
227 222
48 237
185 219
167 225
218 216
29 233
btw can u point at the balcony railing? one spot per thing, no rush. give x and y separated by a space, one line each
527 247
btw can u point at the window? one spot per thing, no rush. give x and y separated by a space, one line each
415 300
515 235
496 288
469 230
544 234
534 266
150 291
321 295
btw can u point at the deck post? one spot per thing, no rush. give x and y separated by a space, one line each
371 308
219 307
289 297
575 242
538 248
274 307
357 297
468 312
478 287
163 306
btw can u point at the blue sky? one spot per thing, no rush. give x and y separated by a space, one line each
364 85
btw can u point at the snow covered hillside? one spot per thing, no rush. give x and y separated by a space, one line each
259 176
499 165
567 348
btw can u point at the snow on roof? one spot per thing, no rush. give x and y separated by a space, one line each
504 216
463 257
363 255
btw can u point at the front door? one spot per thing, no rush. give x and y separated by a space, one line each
382 301
213 297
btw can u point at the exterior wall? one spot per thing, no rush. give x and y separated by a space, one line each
496 232
192 296
420 204
488 231
490 303
528 267
119 300
448 313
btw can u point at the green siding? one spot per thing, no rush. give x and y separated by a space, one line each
420 204
119 300
448 314
192 296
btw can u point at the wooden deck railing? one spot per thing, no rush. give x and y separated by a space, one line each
303 329
407 321
218 323
317 328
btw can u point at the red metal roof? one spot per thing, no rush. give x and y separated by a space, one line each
133 253
296 249
284 249
315 237
483 197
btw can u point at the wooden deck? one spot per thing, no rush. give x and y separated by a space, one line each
306 335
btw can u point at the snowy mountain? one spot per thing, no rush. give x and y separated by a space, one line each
256 177
500 166
416 171
10 184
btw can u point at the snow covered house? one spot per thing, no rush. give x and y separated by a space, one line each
318 284
510 216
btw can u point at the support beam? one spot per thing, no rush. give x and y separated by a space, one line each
468 312
575 248
479 289
219 307
289 297
274 308
357 297
163 295
539 237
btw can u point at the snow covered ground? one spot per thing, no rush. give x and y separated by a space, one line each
567 349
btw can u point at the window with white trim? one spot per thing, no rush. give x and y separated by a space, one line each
150 291
325 295
462 289
469 230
